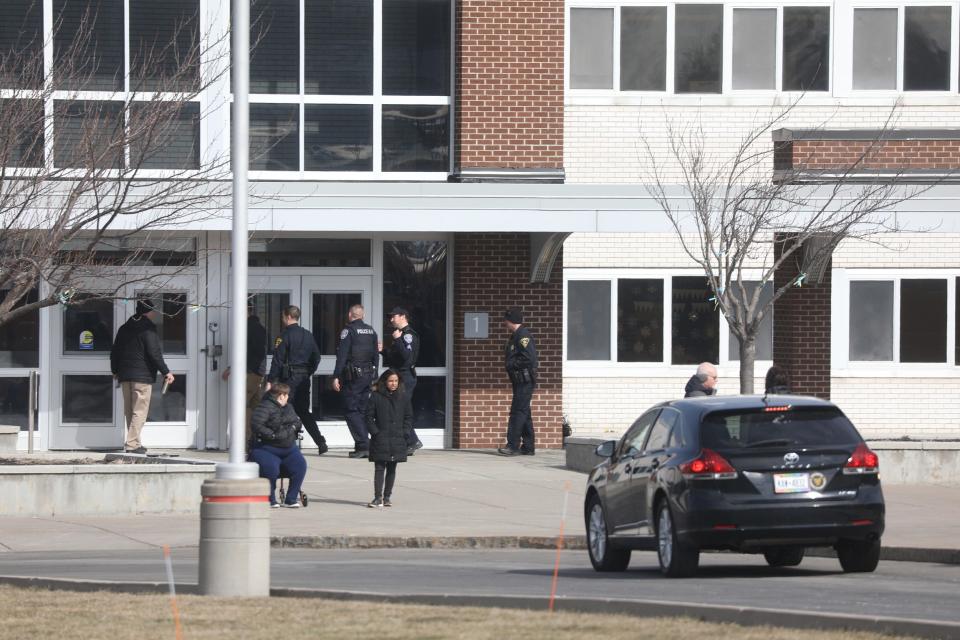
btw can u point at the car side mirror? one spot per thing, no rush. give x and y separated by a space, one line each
607 449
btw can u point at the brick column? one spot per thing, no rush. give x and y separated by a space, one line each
492 273
509 87
801 328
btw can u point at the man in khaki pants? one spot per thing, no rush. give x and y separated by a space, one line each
135 360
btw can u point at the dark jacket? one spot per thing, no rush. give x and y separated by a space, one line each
695 388
136 356
401 355
297 347
357 349
256 346
389 418
520 352
274 425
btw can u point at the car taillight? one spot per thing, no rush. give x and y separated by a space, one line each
861 461
709 465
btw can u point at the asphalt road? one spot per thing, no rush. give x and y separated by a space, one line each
912 591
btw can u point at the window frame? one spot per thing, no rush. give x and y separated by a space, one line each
611 368
844 65
842 366
727 64
377 100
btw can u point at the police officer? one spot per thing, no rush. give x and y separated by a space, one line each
401 356
356 368
295 358
520 360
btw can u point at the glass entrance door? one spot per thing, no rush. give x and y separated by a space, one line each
324 302
86 402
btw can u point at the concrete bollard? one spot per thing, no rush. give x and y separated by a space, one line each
235 538
8 438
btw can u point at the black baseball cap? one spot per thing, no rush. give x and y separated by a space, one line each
514 315
398 311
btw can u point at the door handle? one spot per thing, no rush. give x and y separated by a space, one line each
655 463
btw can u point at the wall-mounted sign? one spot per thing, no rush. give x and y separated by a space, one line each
86 340
475 325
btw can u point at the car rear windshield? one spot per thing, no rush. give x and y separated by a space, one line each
758 428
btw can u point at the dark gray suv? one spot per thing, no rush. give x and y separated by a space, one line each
755 474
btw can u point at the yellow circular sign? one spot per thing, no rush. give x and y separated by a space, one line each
817 480
86 339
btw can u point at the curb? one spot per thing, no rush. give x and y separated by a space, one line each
570 543
746 616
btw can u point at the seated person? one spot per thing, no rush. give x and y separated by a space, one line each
275 426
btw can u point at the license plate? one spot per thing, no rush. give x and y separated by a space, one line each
791 482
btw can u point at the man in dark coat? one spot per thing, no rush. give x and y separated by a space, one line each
355 370
135 359
401 356
295 358
703 382
256 361
520 361
388 419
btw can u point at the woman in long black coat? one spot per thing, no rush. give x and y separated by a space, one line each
389 418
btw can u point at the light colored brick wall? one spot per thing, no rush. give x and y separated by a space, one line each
604 143
882 408
608 406
628 251
921 408
901 251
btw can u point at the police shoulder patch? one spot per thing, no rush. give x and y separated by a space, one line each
276 343
344 334
408 338
524 342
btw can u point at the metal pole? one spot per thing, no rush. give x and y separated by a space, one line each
32 411
237 468
234 518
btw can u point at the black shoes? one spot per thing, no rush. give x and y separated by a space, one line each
358 454
387 503
322 448
507 451
376 503
137 450
527 452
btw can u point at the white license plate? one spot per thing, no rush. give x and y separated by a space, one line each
791 482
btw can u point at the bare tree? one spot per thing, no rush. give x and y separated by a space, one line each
90 188
734 216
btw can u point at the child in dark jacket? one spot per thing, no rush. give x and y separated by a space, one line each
389 419
275 424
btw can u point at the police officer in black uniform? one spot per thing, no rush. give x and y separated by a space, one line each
520 360
356 368
401 356
295 358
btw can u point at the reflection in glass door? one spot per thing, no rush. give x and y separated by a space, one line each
328 316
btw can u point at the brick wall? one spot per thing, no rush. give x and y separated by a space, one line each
892 155
491 273
509 84
801 330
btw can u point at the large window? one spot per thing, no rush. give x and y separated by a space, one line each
920 61
651 319
363 106
680 48
20 337
415 278
120 69
904 319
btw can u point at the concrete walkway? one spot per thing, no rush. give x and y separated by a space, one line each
441 495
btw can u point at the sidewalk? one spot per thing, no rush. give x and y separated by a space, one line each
439 494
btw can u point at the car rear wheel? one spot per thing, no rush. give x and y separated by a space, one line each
784 556
676 559
603 557
858 556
